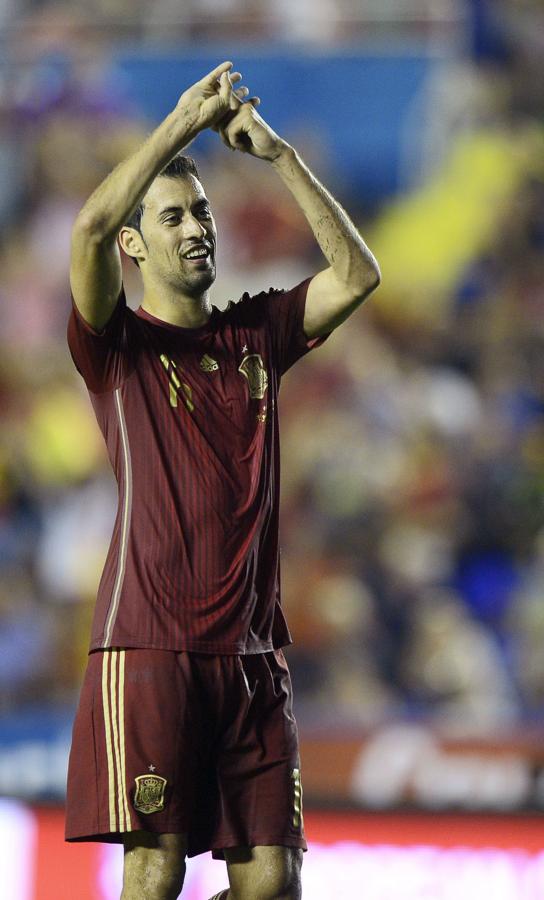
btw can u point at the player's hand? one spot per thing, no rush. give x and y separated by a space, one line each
206 102
244 129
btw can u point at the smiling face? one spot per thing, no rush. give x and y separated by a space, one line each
177 239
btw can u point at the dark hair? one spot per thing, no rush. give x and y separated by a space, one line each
178 167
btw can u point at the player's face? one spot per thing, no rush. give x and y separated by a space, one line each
180 235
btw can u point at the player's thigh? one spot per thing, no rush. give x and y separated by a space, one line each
154 865
264 873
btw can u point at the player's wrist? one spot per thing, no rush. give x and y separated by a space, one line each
284 155
181 126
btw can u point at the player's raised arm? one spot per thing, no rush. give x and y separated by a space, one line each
95 267
353 271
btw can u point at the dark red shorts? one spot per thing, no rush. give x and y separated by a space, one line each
186 743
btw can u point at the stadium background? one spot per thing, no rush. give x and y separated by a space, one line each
413 463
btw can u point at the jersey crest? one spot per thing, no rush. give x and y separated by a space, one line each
252 367
149 796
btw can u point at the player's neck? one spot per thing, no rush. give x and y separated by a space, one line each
177 308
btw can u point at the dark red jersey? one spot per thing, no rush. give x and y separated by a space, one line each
189 416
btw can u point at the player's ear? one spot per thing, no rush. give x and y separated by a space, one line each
132 243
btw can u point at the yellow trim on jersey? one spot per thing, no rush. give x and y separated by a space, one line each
125 520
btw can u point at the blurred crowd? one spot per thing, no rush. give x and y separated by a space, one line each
327 22
412 441
28 25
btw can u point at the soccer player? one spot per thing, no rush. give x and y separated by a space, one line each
184 739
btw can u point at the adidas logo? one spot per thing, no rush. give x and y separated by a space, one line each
207 364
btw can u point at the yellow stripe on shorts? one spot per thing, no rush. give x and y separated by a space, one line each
128 826
107 731
113 699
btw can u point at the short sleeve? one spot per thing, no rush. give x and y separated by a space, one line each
102 358
285 314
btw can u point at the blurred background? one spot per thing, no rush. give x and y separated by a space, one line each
412 441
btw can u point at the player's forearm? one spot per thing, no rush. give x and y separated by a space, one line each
116 198
342 245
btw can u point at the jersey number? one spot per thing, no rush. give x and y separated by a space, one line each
297 798
176 384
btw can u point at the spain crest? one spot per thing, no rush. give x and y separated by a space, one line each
253 368
149 796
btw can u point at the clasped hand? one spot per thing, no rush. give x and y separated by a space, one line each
218 101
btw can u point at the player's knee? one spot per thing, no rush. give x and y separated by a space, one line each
153 878
283 884
275 880
153 869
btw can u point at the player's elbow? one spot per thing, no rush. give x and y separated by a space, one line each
374 276
91 227
367 281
